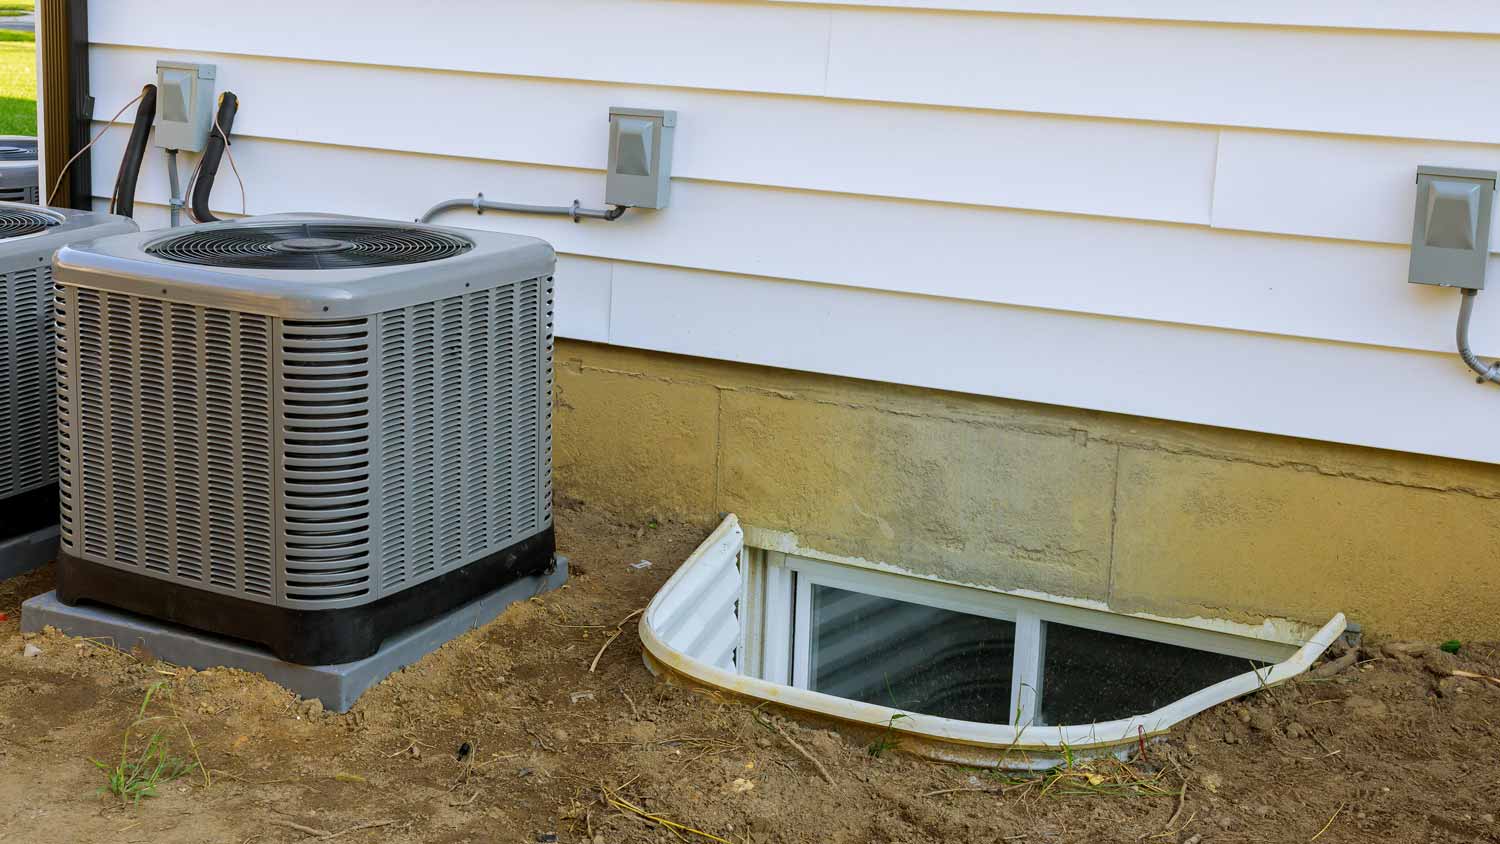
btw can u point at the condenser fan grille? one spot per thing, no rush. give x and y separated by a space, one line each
15 222
309 246
14 150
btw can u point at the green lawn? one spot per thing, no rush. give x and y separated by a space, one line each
17 80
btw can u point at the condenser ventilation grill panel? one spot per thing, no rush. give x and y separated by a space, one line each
173 472
310 246
26 359
464 432
325 435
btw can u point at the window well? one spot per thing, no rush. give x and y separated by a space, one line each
975 675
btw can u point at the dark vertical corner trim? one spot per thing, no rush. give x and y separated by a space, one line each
80 105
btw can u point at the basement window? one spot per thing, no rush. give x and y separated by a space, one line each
979 675
908 656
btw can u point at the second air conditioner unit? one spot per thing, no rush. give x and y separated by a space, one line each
18 170
304 430
28 418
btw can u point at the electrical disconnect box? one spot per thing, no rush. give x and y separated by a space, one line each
1450 239
640 157
185 104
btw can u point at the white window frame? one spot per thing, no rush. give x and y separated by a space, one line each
781 584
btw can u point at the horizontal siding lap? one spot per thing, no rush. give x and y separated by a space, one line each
1139 170
1326 80
1331 186
663 42
1462 16
1184 274
1371 83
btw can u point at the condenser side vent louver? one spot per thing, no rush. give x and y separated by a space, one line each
26 360
173 470
465 428
325 445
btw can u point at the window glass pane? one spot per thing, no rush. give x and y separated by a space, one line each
909 656
1088 676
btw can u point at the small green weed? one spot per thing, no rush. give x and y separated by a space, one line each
887 740
1451 646
139 775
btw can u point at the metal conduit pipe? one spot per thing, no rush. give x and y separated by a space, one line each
1487 372
481 205
176 184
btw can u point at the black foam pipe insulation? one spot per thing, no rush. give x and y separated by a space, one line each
212 154
135 153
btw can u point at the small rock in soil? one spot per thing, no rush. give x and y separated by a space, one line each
1295 730
31 651
1231 738
1262 721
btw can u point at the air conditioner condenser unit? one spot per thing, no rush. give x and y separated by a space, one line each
28 390
18 170
303 430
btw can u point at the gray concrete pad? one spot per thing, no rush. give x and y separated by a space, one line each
337 686
28 551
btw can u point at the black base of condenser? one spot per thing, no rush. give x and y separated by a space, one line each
28 512
305 637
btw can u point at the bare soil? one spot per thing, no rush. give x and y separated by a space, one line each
506 735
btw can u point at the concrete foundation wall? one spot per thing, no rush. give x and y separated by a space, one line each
1154 516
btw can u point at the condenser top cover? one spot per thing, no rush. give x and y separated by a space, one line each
306 266
43 230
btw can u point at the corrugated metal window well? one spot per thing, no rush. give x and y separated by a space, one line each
963 673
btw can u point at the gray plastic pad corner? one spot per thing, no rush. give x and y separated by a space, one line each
337 686
28 551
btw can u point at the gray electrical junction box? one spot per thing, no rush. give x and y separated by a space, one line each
184 104
640 157
1450 238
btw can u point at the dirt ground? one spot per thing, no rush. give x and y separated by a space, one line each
1385 751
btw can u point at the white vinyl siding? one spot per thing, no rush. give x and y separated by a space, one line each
1196 214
